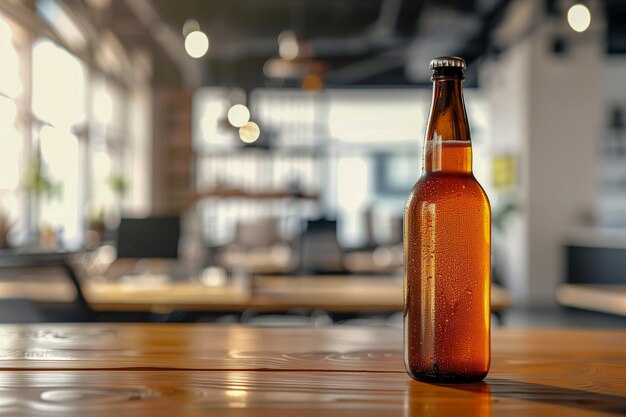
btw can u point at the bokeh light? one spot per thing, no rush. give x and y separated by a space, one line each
238 115
288 47
190 25
579 17
196 44
312 82
249 132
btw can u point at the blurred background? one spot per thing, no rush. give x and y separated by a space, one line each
248 161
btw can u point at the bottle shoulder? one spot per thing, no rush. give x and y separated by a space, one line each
434 187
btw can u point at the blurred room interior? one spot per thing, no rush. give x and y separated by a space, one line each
248 161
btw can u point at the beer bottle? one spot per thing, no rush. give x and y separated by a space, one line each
447 243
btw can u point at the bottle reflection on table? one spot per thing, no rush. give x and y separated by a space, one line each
443 400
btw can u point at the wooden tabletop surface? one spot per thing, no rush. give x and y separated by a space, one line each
345 293
193 370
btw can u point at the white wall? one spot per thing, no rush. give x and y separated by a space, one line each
564 127
613 82
547 110
504 83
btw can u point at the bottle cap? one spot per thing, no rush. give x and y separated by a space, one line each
447 61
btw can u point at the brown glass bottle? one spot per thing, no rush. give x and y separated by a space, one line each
447 244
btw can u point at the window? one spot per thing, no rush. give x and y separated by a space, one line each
59 109
107 148
12 207
58 77
66 141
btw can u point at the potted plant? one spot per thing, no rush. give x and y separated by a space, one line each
38 185
500 219
118 185
106 216
96 228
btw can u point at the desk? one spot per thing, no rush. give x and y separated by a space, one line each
193 370
605 298
358 294
33 259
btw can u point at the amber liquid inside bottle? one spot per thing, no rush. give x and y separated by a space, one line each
447 238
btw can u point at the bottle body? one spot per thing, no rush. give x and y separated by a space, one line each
447 249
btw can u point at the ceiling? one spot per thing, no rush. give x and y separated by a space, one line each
358 42
349 42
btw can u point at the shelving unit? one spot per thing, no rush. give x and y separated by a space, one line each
281 175
309 144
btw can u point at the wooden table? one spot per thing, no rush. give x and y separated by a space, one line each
274 294
605 298
194 370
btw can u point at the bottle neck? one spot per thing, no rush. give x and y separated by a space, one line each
447 148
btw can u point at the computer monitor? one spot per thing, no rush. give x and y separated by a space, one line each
151 237
320 252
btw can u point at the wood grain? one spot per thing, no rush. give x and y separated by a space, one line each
191 370
579 357
196 347
249 393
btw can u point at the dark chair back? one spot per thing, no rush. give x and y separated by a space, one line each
319 249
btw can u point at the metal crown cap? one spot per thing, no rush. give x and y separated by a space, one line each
448 61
